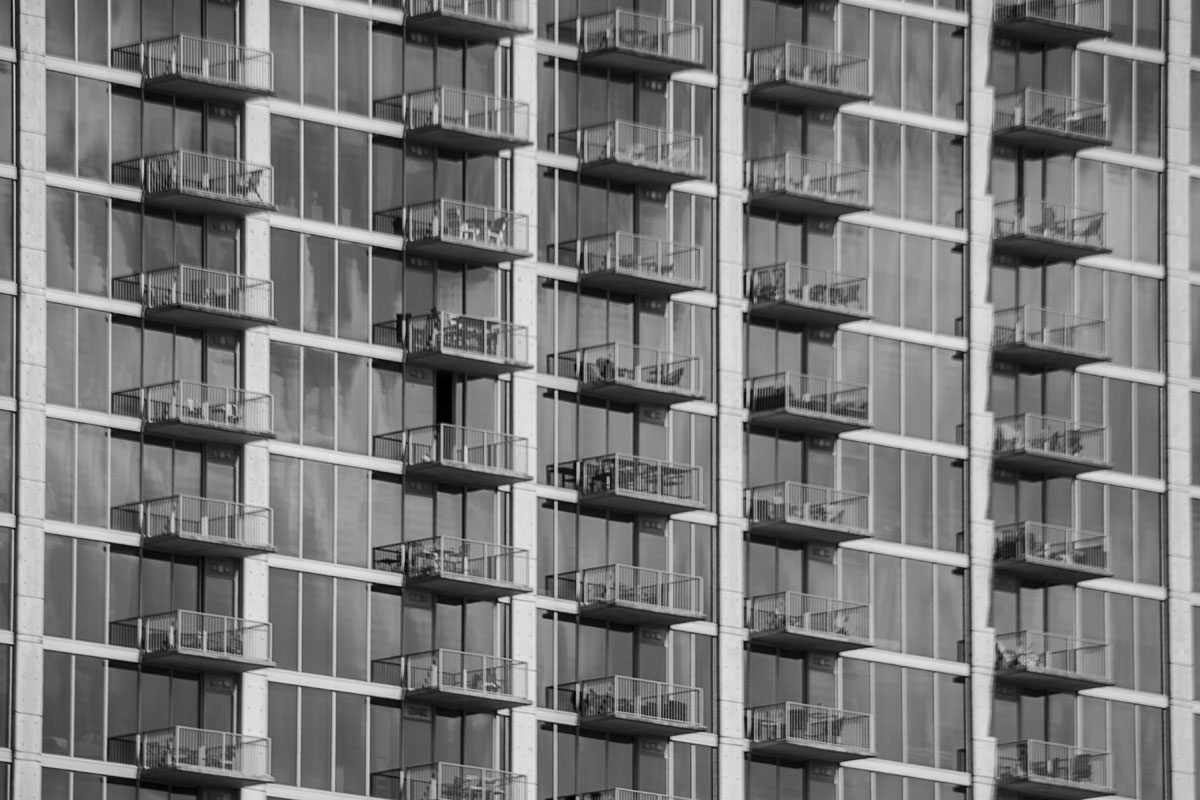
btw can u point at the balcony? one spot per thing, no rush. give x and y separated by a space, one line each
796 403
1047 231
636 595
459 119
1050 553
453 454
198 411
797 75
796 184
634 706
630 373
456 231
184 756
198 183
632 153
199 298
1038 337
1033 768
630 263
197 526
1049 446
630 42
465 344
1052 123
458 567
480 20
197 642
453 679
202 69
444 781
623 794
800 512
803 295
1048 662
1052 22
800 732
635 484
804 622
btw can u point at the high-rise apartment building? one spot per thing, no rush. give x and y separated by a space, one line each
545 399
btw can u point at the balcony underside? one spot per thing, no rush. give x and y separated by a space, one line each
803 531
1049 141
807 204
462 474
1044 248
197 431
805 94
199 661
799 421
199 545
458 27
1035 355
633 725
801 640
1040 463
619 391
186 775
476 250
620 60
615 280
1050 570
484 700
463 139
199 88
1046 31
804 750
628 613
637 502
623 171
467 363
799 314
199 201
1050 788
465 586
212 316
1043 679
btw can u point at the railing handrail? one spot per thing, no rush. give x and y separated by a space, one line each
186 612
629 680
246 739
243 508
246 394
618 236
211 157
1070 320
140 277
1071 534
447 316
1068 642
439 427
450 651
789 594
657 130
445 203
641 459
188 37
674 26
791 160
1067 423
457 90
1056 745
667 575
802 63
787 376
830 491
1030 91
1021 203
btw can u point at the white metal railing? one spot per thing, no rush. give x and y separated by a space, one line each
1042 327
444 332
454 444
625 584
647 476
789 500
443 781
507 13
1037 650
807 286
817 725
809 613
458 221
450 557
212 176
1061 763
195 403
1076 13
207 60
460 110
641 34
794 173
1056 113
1034 433
196 632
811 66
647 367
625 696
641 256
196 517
1037 541
808 394
641 145
198 288
214 752
455 670
1049 221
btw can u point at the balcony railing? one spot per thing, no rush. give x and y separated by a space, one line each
631 373
801 75
200 183
469 344
444 781
458 567
196 640
801 294
1051 553
802 512
1051 662
1052 122
472 19
1051 446
627 151
197 525
453 229
635 706
801 403
200 68
630 262
798 184
625 593
198 411
805 732
625 794
623 39
455 454
195 756
806 621
636 484
1048 231
1045 338
459 119
454 679
1051 21
196 296
1052 770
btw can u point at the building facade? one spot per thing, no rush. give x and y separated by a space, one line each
513 399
